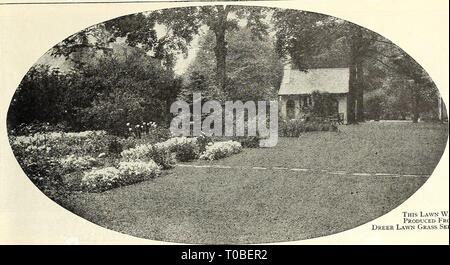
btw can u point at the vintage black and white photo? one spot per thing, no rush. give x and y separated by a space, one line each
226 124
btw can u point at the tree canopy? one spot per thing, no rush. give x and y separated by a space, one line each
122 69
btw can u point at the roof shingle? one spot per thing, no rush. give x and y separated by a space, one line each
330 80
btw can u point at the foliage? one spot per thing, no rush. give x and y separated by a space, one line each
220 150
133 90
59 144
253 69
294 128
247 141
101 179
202 141
136 30
41 167
127 86
73 163
185 149
39 98
114 146
132 172
324 104
374 104
36 127
159 153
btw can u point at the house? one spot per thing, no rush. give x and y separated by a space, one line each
297 86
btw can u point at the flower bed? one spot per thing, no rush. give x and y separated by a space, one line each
63 162
132 172
61 143
97 180
73 163
220 150
100 179
160 154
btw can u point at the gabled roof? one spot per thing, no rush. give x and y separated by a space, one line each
330 80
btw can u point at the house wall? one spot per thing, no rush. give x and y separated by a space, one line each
342 106
298 100
282 107
298 103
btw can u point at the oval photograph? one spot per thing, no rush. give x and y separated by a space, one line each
227 124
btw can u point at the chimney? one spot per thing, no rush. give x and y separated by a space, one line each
287 72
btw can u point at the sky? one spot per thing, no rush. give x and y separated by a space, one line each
182 63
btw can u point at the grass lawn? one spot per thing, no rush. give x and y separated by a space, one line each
245 205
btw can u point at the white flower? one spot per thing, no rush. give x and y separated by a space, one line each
133 171
103 178
77 163
219 150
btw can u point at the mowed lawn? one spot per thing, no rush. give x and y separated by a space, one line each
292 194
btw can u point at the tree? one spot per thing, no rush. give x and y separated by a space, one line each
423 90
110 91
38 97
219 20
324 104
316 40
136 30
133 89
253 73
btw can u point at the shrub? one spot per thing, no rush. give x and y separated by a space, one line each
73 163
220 150
101 179
132 172
159 153
247 141
41 168
32 128
202 141
97 180
185 149
162 156
114 146
61 144
293 128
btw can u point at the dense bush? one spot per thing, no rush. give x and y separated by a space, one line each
324 105
100 179
41 168
293 128
159 153
220 150
37 127
103 93
132 172
73 163
61 143
247 141
115 147
202 141
97 180
185 149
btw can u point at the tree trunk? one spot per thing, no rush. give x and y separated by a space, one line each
351 97
221 47
360 92
353 81
356 79
415 110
